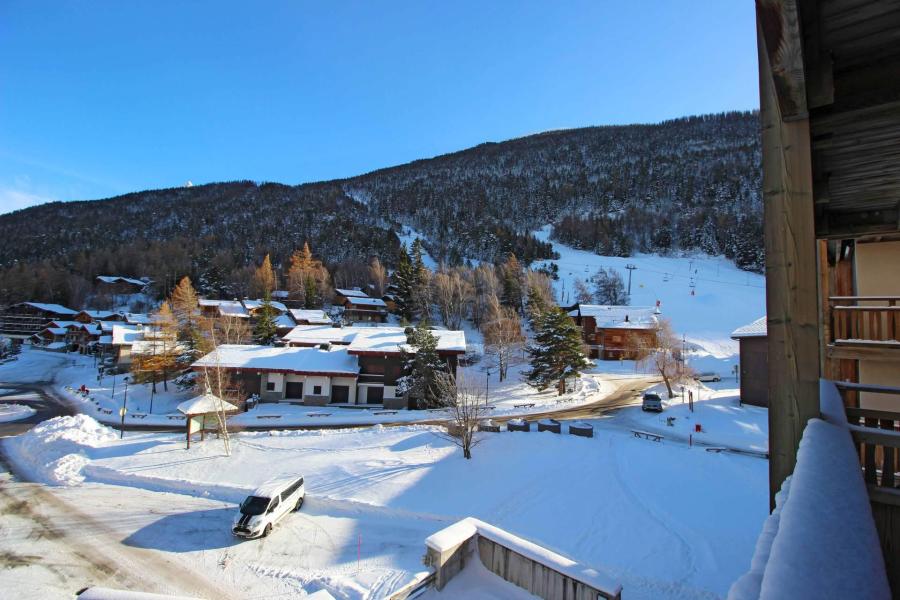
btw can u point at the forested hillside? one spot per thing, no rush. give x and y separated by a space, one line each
687 184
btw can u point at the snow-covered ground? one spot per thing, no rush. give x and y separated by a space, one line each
14 412
665 519
724 297
105 397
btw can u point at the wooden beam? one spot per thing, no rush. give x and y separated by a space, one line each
778 26
791 280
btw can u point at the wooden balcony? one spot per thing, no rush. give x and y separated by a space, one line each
876 435
863 327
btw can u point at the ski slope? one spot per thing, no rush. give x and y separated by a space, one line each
722 298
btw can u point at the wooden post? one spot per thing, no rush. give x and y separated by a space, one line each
791 291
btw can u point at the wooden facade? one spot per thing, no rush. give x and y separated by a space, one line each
622 338
754 353
23 320
830 115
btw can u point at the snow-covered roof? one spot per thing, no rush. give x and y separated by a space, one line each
757 328
123 335
311 316
91 328
211 302
283 294
257 304
57 309
97 314
205 403
56 330
55 345
382 340
138 318
288 359
351 293
118 278
65 324
284 321
232 308
320 334
274 485
621 317
378 302
105 339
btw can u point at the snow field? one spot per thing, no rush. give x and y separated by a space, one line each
666 520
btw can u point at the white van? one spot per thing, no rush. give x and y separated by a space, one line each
267 505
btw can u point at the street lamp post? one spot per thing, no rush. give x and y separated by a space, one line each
124 409
487 383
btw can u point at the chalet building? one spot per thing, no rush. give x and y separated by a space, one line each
830 129
115 285
754 362
342 294
51 338
330 365
365 310
616 332
310 316
91 316
23 320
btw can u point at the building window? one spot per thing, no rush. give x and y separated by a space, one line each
317 390
270 386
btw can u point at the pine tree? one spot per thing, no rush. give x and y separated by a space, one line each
421 281
265 330
421 368
556 353
511 276
403 279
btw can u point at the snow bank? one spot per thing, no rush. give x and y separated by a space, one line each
15 412
54 451
824 543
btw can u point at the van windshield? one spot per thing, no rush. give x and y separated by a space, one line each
254 505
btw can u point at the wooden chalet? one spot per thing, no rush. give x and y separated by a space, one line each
365 310
376 352
23 320
616 332
116 285
91 316
342 294
829 75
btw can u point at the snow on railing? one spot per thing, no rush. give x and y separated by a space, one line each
820 542
445 543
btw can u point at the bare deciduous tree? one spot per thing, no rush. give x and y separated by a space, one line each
468 408
502 333
485 285
664 357
377 277
582 294
451 293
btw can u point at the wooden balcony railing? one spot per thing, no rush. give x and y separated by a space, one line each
863 327
876 434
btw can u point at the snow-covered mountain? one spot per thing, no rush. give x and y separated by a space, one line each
691 184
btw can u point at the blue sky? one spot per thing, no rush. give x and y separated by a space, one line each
102 98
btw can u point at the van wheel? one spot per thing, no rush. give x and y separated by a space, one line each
299 503
267 530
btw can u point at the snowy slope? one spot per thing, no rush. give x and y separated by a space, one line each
724 298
